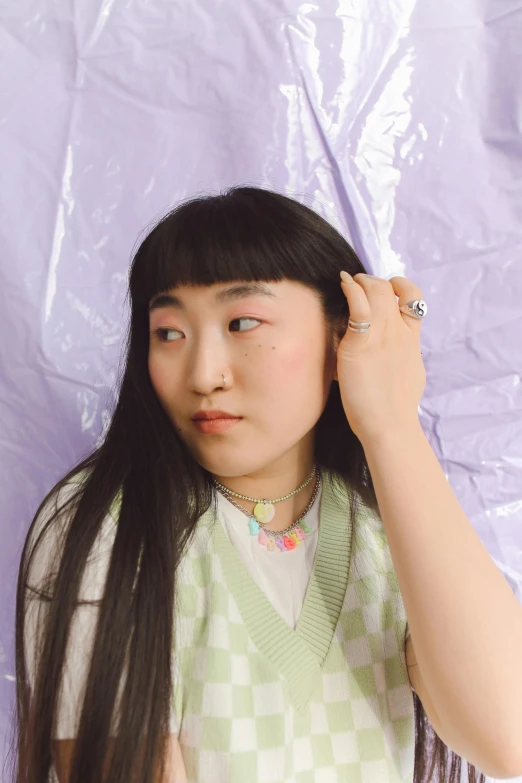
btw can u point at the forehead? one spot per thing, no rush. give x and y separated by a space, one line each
223 293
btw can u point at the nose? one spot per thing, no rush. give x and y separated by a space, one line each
207 365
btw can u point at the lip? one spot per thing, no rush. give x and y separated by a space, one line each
214 414
215 426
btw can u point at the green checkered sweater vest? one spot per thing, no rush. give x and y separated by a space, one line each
329 702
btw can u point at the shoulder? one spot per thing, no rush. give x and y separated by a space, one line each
371 539
48 533
374 569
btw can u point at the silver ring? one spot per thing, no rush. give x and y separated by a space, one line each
417 308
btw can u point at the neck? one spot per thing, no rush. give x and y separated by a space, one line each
286 511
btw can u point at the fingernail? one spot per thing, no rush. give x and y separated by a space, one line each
346 277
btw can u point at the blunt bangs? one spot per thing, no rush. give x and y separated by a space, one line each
244 234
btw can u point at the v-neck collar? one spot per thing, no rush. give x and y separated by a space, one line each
298 654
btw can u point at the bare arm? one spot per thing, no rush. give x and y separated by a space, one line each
62 753
465 621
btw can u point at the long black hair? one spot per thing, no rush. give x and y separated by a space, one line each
244 233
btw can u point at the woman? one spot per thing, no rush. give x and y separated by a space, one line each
216 636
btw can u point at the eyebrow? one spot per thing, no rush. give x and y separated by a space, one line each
232 293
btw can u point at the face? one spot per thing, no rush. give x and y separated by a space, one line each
273 346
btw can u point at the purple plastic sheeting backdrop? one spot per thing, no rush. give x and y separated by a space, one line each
399 122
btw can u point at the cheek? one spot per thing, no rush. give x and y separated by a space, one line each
294 367
159 378
153 371
291 366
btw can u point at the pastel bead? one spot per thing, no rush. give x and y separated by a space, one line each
293 535
305 526
289 542
270 545
280 544
262 538
300 533
254 526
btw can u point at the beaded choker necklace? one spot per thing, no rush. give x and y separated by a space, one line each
264 512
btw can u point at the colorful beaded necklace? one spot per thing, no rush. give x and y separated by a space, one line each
264 512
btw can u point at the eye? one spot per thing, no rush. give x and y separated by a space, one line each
236 320
163 334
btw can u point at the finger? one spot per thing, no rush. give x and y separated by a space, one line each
407 292
378 295
405 289
358 305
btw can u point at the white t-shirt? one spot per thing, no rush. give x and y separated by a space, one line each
283 576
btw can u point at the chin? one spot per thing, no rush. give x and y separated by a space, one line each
237 462
228 468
